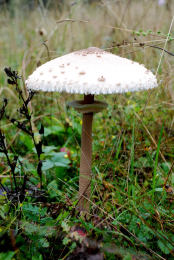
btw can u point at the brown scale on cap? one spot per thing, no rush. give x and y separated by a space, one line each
82 73
61 66
54 76
62 72
95 83
91 50
101 79
50 70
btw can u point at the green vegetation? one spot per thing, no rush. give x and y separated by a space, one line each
132 208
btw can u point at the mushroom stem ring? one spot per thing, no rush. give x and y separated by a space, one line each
88 107
92 71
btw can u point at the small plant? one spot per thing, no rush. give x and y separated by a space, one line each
26 125
17 193
17 196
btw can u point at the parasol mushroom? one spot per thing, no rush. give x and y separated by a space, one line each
90 71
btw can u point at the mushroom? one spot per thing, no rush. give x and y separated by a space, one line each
90 71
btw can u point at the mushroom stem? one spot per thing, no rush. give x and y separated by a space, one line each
88 99
86 157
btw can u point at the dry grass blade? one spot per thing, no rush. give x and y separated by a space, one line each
151 137
113 219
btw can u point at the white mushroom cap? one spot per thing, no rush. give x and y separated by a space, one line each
91 71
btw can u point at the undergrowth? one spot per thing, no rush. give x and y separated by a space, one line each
131 215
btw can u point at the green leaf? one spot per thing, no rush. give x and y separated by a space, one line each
27 141
66 241
49 149
37 257
127 257
7 256
156 163
43 242
33 212
165 246
159 189
142 162
53 130
62 216
53 189
137 33
47 165
3 210
65 226
36 231
55 160
47 220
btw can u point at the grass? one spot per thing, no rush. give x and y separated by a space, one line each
132 188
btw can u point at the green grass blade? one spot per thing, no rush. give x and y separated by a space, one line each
156 163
